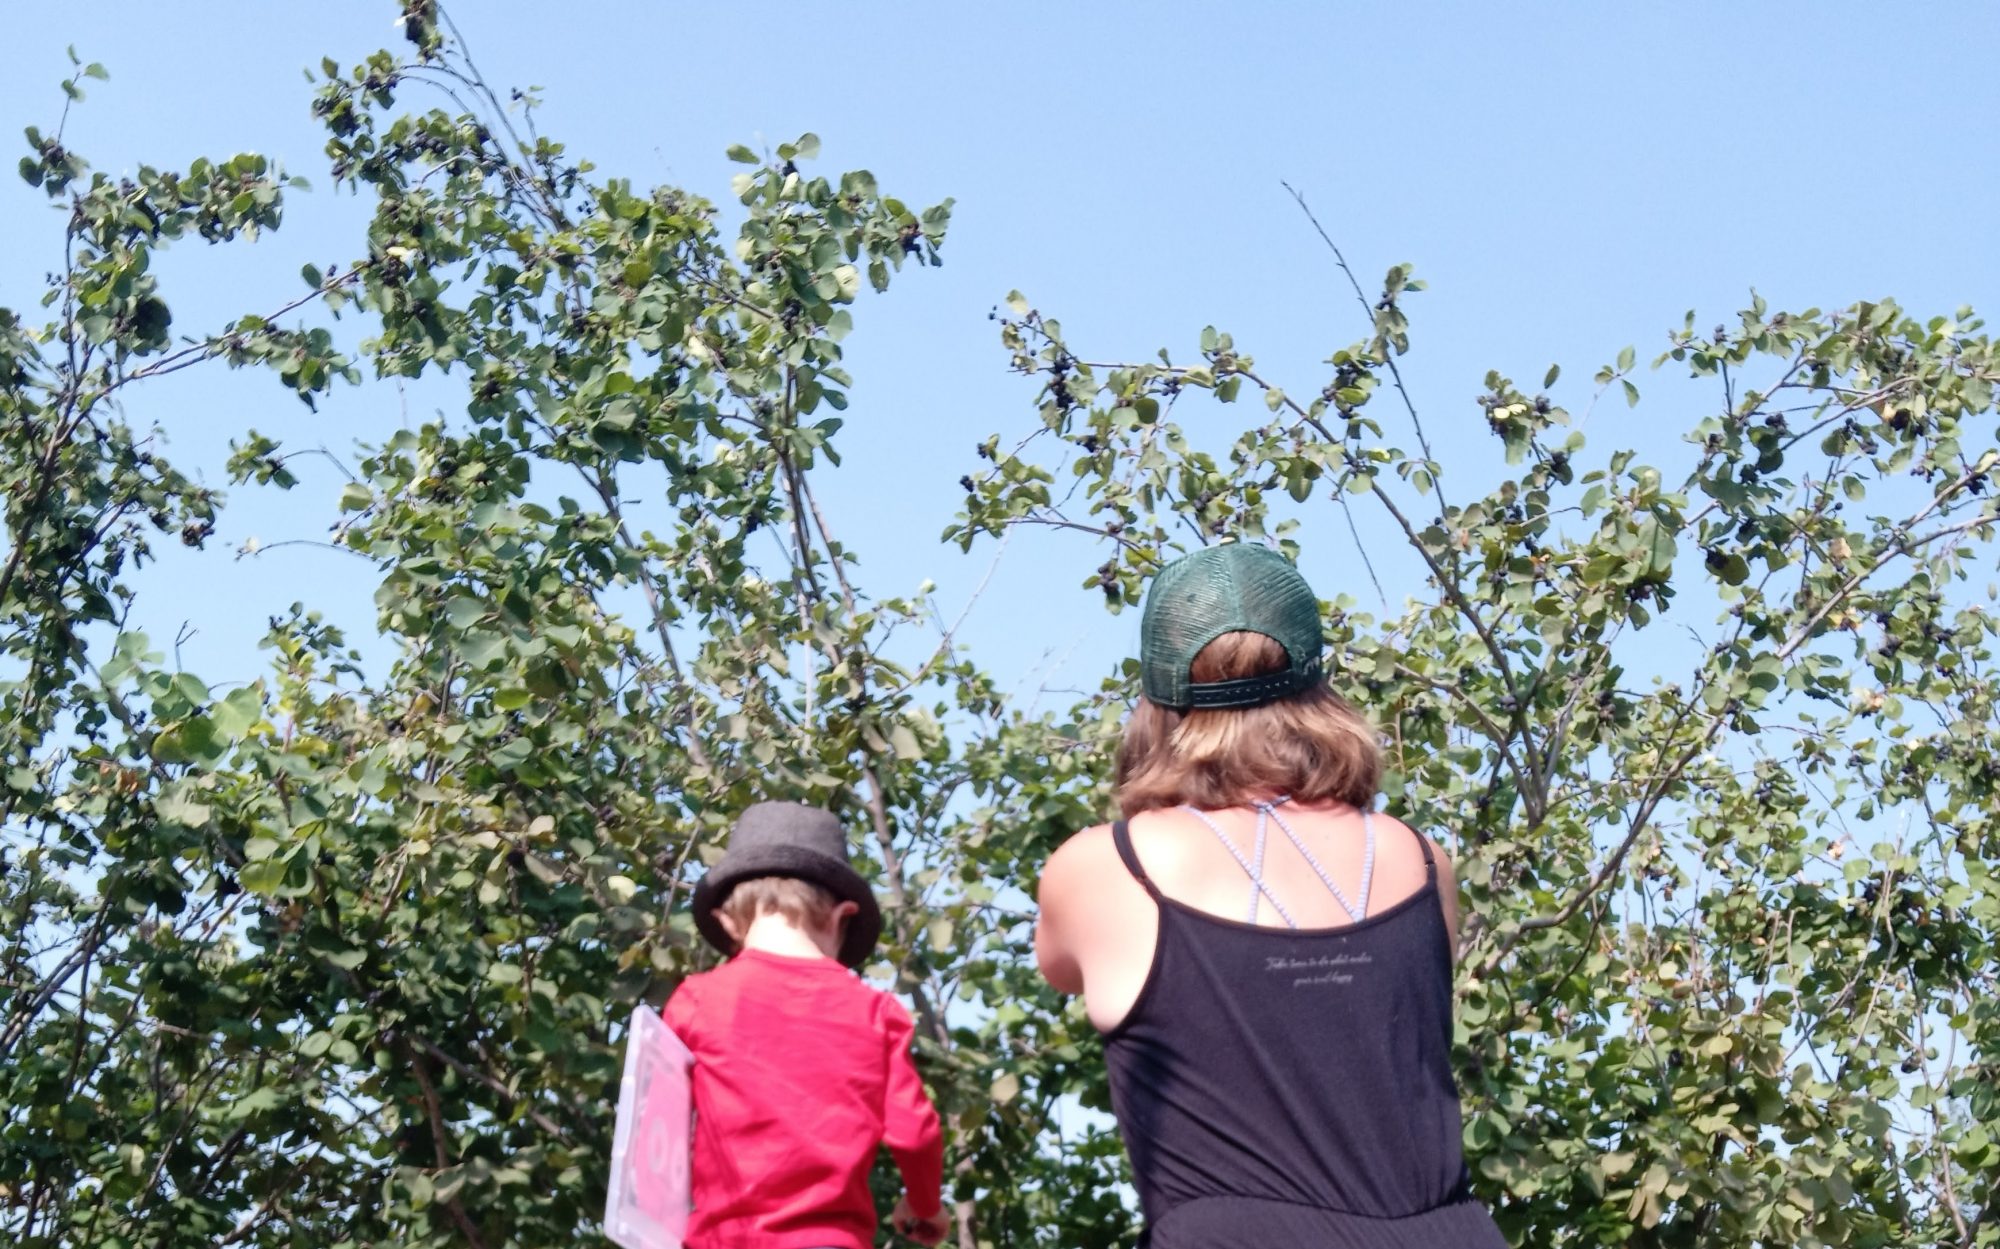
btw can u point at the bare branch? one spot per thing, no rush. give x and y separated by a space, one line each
1388 357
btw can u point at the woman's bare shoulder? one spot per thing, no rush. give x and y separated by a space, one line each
1082 856
1084 845
1387 825
1085 886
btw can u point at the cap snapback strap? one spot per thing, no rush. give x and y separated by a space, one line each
1252 691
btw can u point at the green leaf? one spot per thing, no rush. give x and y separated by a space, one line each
1656 541
464 610
181 807
192 740
1549 378
265 877
512 754
1631 393
312 276
1625 359
238 712
742 155
481 647
189 688
250 1105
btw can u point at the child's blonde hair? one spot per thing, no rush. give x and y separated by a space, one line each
800 901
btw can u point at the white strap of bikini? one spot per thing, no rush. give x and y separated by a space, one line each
1257 864
1267 811
1257 884
1355 913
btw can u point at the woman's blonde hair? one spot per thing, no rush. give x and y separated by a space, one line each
1311 747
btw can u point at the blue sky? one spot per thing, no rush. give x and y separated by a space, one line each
1568 178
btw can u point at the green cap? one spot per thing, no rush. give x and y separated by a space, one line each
1227 589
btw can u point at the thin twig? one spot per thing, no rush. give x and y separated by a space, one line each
535 1117
1388 357
656 602
944 643
1340 493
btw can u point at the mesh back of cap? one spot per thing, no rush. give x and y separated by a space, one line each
1217 590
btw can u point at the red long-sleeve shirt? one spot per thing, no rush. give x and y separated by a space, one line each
800 1070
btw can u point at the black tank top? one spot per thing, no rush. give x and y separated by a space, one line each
1292 1088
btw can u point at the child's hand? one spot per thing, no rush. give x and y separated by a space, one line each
924 1231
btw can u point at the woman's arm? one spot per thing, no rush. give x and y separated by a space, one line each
1448 895
1055 899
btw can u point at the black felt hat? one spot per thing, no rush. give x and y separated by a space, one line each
790 839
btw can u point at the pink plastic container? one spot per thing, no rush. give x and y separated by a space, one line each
647 1204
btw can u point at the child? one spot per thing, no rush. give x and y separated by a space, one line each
800 1069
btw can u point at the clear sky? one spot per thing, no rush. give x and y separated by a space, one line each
1569 178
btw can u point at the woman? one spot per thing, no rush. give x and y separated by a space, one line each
1269 962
